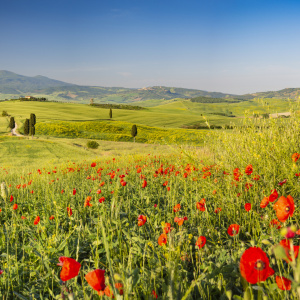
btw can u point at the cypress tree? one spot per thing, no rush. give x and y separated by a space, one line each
32 119
12 123
26 127
134 132
32 130
110 113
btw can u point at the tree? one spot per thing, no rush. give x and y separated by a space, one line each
12 123
134 132
32 130
26 127
110 113
32 119
91 101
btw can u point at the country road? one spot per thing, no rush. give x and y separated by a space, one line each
14 132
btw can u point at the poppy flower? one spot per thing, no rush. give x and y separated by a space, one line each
70 269
283 283
254 265
15 206
36 220
87 201
93 165
180 221
1 272
282 182
264 202
51 218
201 242
167 228
217 210
288 249
295 156
284 208
108 292
275 224
162 239
248 206
249 170
273 196
123 183
74 192
70 213
201 205
153 293
96 279
144 184
142 220
155 205
233 229
23 218
61 260
11 198
177 207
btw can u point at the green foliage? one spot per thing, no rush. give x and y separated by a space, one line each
4 113
134 131
110 113
117 106
41 99
12 123
202 99
26 127
92 144
32 119
31 129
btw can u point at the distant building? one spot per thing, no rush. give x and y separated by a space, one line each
29 97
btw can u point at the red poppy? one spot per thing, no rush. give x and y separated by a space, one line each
51 218
248 206
177 207
119 287
144 184
180 221
93 165
61 260
254 265
153 293
23 218
249 170
36 220
282 182
273 196
264 202
201 242
284 208
233 229
70 213
288 249
275 224
96 279
15 206
87 201
70 269
101 199
295 156
74 192
167 228
123 183
201 205
168 189
11 198
162 239
217 210
142 220
283 283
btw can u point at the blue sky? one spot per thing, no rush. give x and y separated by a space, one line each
232 46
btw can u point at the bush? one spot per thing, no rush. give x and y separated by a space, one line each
4 113
92 144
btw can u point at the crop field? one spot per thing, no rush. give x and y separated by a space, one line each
220 222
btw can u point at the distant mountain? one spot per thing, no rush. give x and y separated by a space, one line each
292 93
12 83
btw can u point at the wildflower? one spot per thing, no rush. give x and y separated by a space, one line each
167 228
275 224
256 178
96 279
36 220
249 170
70 269
217 210
11 198
123 183
162 239
70 213
98 191
201 205
295 156
168 189
15 206
286 244
284 208
283 283
233 229
153 293
144 184
273 196
282 182
180 221
93 165
142 220
87 201
248 206
51 218
23 218
74 192
177 207
61 260
254 265
155 205
264 202
201 242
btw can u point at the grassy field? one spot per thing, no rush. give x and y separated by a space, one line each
168 223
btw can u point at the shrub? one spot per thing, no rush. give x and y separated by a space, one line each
92 144
4 113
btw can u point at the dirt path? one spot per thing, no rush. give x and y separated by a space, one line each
14 132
